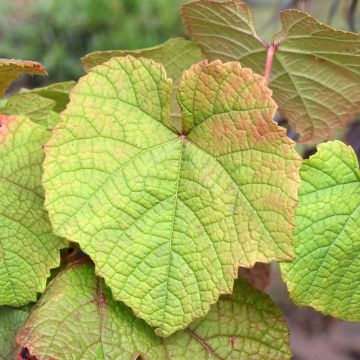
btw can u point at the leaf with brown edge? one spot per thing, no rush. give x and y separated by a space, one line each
10 70
77 318
167 216
315 73
258 276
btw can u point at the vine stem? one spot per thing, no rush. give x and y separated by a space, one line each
269 61
271 50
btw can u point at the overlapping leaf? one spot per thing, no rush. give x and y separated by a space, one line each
40 105
37 108
176 54
325 273
77 318
11 320
315 74
168 217
11 69
58 92
28 249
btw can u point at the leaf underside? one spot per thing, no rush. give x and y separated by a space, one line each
10 70
77 318
168 218
28 249
325 273
315 74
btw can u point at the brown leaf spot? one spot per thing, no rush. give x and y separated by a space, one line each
137 356
5 119
258 276
233 342
320 60
24 354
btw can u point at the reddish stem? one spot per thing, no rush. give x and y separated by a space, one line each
269 61
260 39
271 50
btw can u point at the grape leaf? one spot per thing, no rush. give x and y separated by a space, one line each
58 92
169 217
77 318
175 54
40 105
325 273
28 249
315 73
37 108
11 69
11 320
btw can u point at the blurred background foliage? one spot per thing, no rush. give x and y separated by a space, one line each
57 33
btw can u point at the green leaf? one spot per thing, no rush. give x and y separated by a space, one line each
175 54
28 249
77 318
58 92
11 320
315 74
325 273
37 108
169 217
40 105
11 69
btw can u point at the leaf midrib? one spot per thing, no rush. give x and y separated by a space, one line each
172 227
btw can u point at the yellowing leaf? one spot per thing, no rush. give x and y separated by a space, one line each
37 108
325 273
58 92
315 74
11 69
40 105
28 249
77 318
169 217
175 54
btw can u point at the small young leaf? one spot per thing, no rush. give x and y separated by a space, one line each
11 69
325 273
168 218
11 320
58 92
315 72
175 54
28 249
77 318
37 108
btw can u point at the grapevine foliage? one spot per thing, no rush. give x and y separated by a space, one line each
163 170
